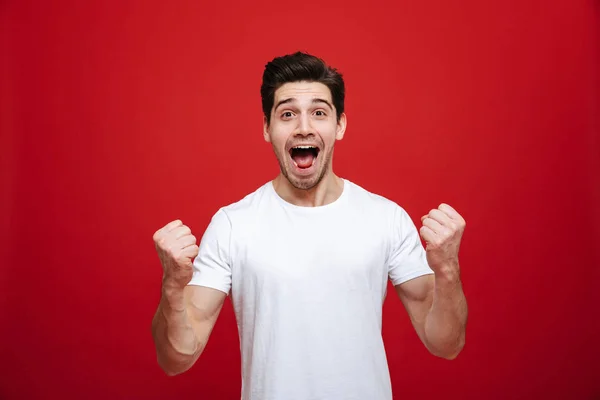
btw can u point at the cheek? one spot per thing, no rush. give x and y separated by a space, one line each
278 142
329 133
279 136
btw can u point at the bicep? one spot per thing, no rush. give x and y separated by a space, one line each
203 305
417 297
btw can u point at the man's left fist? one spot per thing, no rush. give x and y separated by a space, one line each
442 231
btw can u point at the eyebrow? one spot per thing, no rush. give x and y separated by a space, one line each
293 99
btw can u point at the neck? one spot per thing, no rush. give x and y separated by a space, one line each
327 191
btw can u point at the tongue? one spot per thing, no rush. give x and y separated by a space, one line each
303 158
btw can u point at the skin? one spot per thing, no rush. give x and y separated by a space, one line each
303 113
305 116
436 303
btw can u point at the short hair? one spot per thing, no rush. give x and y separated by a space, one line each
299 67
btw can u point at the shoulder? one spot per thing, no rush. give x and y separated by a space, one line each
369 200
244 208
376 207
235 217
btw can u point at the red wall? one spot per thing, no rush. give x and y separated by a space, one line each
117 117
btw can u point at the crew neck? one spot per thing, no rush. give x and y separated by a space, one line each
308 209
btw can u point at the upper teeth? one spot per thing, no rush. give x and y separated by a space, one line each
304 147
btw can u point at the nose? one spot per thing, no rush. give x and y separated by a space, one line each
304 127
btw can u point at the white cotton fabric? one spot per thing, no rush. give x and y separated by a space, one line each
307 285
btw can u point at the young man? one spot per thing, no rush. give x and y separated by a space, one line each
306 259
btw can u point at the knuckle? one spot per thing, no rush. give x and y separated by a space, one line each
172 252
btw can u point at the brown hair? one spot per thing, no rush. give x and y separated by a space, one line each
300 67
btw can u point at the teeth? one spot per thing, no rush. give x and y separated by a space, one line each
305 147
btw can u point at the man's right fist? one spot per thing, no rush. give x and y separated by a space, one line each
176 248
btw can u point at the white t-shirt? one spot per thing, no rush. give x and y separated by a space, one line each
307 286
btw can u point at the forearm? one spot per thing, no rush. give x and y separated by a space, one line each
447 317
177 346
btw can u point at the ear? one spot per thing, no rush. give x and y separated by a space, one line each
266 133
341 127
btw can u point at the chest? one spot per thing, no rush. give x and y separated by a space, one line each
314 253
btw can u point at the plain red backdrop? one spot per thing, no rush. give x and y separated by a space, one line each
119 116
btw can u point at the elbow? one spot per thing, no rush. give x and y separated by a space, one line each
450 352
451 356
166 368
454 354
173 366
172 370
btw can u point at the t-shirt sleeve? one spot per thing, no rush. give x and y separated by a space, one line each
212 266
407 259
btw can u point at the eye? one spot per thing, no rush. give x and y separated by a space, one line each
287 114
320 113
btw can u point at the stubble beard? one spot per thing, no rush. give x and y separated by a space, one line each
305 184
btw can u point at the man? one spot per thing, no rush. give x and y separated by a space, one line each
306 259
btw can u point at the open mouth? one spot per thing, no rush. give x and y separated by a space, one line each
304 156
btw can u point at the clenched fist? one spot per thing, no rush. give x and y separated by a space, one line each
176 248
442 231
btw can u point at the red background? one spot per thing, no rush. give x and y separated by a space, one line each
117 117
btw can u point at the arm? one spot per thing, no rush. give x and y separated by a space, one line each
428 282
437 308
182 325
189 306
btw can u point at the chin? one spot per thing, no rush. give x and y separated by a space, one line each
304 181
304 184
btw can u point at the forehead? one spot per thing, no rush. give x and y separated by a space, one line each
303 91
